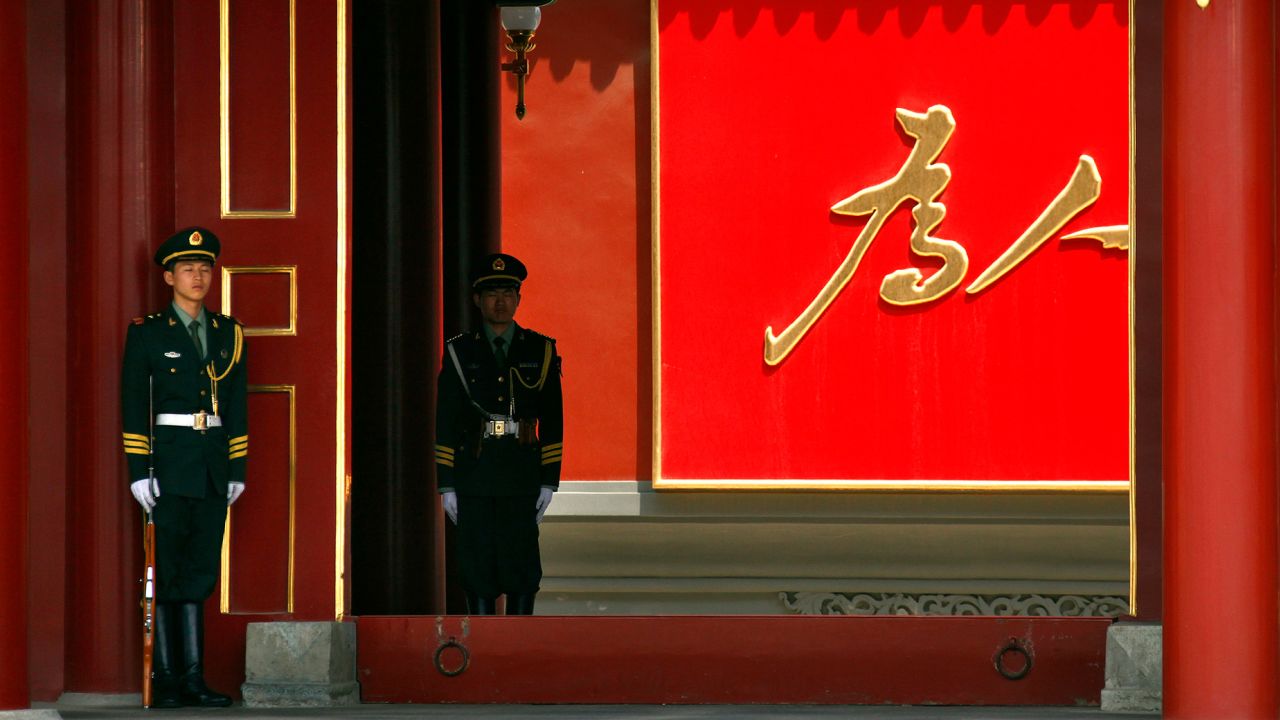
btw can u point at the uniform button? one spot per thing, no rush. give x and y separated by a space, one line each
501 379
500 398
173 370
203 393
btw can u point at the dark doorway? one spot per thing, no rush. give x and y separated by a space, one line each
395 319
426 199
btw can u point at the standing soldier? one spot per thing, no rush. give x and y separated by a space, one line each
499 432
183 397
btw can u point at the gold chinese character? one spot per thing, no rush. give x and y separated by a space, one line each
917 180
922 180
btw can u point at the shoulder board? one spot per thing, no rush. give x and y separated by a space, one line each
459 336
230 318
539 335
138 321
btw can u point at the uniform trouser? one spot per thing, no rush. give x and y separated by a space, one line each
188 545
498 545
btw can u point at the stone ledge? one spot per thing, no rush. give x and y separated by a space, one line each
300 694
79 700
1130 701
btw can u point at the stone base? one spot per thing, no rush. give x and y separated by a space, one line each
300 664
1131 701
1134 682
99 700
265 695
30 715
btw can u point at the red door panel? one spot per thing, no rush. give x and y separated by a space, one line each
260 153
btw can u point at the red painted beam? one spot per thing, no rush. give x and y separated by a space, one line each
1220 525
14 692
733 659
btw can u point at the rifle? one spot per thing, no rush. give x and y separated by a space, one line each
149 579
148 607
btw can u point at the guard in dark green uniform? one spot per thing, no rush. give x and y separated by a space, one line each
183 392
499 440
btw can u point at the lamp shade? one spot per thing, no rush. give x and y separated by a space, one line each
521 18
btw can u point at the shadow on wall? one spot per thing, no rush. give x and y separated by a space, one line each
606 34
613 33
822 17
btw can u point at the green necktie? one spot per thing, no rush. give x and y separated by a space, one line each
498 353
194 328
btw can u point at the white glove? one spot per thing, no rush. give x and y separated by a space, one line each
449 501
233 492
145 491
544 502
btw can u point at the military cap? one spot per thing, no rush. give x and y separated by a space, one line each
498 270
193 243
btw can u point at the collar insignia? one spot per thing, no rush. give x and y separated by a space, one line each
172 322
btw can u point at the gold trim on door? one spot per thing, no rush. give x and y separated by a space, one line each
224 117
229 271
343 479
224 604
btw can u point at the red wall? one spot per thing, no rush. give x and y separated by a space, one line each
576 209
47 351
13 394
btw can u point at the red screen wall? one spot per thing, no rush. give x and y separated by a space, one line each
768 118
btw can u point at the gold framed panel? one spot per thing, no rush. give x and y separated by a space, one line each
224 118
908 486
230 271
224 601
882 486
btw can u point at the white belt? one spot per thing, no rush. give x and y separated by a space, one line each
501 428
197 421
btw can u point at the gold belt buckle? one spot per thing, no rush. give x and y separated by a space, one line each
201 422
499 427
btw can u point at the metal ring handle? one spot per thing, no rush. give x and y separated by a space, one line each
439 657
1013 646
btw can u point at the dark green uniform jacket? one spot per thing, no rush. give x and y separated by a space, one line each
159 349
508 466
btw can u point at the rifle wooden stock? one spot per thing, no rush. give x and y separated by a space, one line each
148 608
149 555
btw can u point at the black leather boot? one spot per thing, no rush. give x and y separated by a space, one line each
191 688
477 605
164 677
520 604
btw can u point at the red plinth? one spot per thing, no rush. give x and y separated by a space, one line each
13 362
1220 525
733 659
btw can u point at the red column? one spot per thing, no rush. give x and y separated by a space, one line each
121 185
1220 632
13 362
